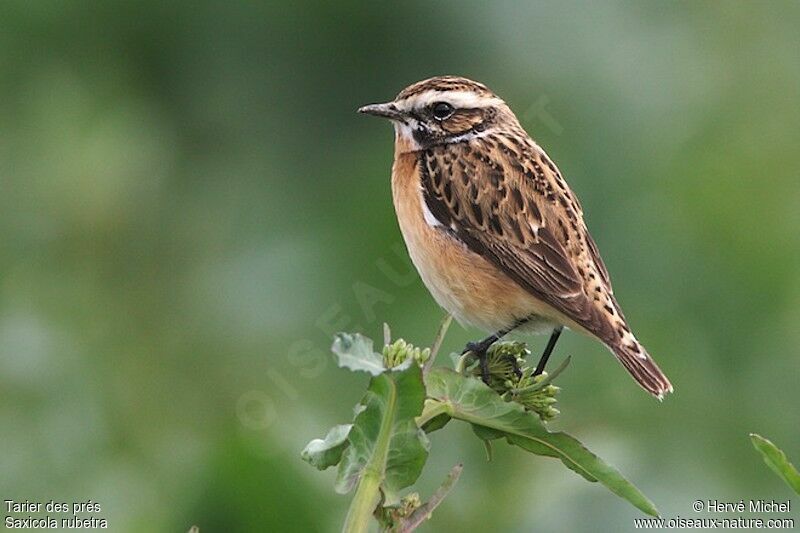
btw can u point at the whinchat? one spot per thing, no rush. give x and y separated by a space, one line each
495 232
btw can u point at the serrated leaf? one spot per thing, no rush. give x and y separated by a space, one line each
385 439
327 452
777 461
354 351
470 400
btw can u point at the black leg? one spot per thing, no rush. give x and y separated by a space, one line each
480 348
482 345
548 350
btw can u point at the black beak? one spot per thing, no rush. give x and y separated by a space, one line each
387 110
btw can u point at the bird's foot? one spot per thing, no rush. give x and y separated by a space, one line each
479 351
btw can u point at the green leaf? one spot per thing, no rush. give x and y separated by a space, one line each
322 453
437 423
385 441
777 461
470 400
354 351
487 433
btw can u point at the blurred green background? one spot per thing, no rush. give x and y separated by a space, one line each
190 207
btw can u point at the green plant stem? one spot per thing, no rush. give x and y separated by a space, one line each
367 494
363 504
437 342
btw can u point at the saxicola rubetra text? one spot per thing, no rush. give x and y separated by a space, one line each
495 232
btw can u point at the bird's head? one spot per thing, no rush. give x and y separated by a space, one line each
442 110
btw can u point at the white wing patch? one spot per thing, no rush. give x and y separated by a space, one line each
431 220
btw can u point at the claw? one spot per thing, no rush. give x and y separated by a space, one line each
475 347
484 362
479 349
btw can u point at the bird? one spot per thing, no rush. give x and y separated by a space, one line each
494 231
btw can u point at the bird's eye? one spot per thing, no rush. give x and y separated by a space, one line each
442 110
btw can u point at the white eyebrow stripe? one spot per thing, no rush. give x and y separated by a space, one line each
464 99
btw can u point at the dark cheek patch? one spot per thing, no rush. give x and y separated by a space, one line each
422 136
462 121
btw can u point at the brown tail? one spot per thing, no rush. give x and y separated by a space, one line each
641 366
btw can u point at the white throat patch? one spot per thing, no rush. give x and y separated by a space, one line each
405 131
